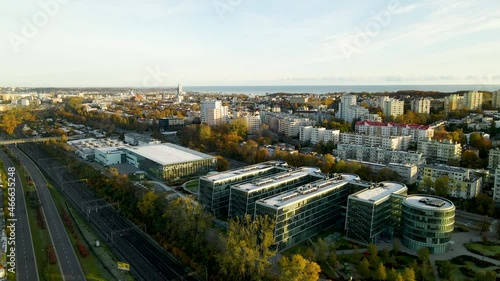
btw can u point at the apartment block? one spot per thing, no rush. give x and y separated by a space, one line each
407 172
463 183
439 151
393 107
214 113
415 131
349 110
377 154
421 105
391 142
494 159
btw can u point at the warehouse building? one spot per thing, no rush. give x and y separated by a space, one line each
243 196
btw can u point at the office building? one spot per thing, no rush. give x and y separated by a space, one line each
214 113
243 196
375 212
421 105
427 221
302 213
463 183
439 151
215 188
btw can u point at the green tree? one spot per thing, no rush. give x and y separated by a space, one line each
298 268
396 246
333 259
392 275
363 268
321 250
441 186
423 254
446 269
380 273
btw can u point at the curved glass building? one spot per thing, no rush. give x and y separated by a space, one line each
427 221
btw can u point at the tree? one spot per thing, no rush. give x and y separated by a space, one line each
446 269
321 250
392 275
222 163
409 274
380 273
423 254
146 204
386 174
363 268
471 160
333 259
298 268
396 246
441 186
426 184
247 248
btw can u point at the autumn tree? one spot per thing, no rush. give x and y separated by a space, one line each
298 268
363 268
146 204
380 273
409 274
247 248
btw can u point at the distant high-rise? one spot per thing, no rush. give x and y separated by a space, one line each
179 98
421 105
473 100
349 110
179 89
213 112
393 107
496 99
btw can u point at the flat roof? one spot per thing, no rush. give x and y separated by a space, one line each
349 177
245 171
277 179
167 153
382 190
429 202
302 192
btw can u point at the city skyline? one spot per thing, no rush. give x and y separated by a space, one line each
55 43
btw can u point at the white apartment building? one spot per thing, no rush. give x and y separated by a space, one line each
376 154
317 135
473 100
349 110
416 132
290 126
463 183
253 122
332 135
439 151
407 172
496 187
393 107
494 159
214 113
421 105
305 133
391 142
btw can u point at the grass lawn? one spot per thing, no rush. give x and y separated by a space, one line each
491 250
193 186
466 265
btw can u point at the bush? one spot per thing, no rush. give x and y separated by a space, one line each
84 252
52 254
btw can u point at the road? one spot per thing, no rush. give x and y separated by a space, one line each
66 256
147 259
470 220
26 268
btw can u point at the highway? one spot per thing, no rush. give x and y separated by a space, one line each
26 268
65 252
147 259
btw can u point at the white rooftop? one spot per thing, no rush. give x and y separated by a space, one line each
167 153
245 171
303 192
277 179
429 202
382 190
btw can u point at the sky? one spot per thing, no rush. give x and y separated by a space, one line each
125 43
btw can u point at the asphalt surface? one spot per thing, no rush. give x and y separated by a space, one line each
26 268
65 252
147 259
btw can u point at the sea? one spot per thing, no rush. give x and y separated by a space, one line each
323 89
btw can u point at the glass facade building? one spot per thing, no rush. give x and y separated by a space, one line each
215 188
243 196
374 212
302 213
427 221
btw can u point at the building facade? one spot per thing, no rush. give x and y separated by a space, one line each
496 187
463 183
439 151
214 113
302 213
243 196
375 212
427 221
421 105
496 100
393 107
390 142
215 188
415 131
349 110
376 154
